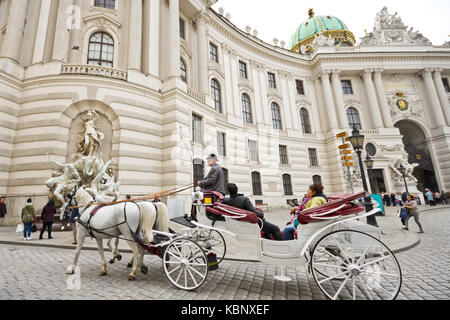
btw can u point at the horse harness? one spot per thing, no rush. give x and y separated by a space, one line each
92 213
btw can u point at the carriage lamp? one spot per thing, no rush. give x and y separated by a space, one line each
357 141
402 170
369 162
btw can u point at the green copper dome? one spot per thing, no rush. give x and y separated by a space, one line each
329 26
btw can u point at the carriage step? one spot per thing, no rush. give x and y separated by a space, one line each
183 221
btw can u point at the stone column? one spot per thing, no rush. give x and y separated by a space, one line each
436 110
202 43
338 95
76 39
153 32
14 33
442 95
41 33
331 111
384 107
135 36
174 38
372 97
62 36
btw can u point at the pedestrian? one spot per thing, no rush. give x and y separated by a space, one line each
413 211
48 217
404 197
387 199
3 210
28 217
393 199
444 198
437 197
398 197
430 198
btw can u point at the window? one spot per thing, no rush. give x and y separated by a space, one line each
313 161
446 86
182 29
287 185
300 88
109 4
221 148
283 154
276 116
347 87
256 184
317 179
353 118
196 128
183 71
101 50
252 150
243 70
371 149
213 52
225 178
216 95
246 108
198 168
272 83
306 124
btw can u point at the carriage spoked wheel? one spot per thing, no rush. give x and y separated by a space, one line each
212 241
185 264
353 265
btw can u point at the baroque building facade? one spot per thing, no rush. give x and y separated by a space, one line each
173 81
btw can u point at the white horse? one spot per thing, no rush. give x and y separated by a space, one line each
117 220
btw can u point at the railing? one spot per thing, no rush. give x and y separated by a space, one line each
94 71
370 132
198 96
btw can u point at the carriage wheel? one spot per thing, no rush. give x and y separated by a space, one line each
211 241
185 264
350 264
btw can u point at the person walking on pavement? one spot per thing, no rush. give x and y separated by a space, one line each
393 199
3 210
413 211
444 198
430 198
215 180
48 217
28 217
387 199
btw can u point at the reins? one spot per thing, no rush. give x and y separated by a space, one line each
154 196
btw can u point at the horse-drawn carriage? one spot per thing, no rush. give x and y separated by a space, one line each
345 256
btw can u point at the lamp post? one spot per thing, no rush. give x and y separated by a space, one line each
402 170
369 165
357 141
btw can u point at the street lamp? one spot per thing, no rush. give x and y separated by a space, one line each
357 141
402 170
369 165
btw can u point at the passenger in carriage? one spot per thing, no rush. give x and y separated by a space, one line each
242 202
314 199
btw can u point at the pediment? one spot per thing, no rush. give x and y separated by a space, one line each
103 20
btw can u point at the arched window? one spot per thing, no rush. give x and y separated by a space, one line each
183 70
287 185
256 184
246 108
276 116
216 95
317 179
109 4
101 50
353 118
306 124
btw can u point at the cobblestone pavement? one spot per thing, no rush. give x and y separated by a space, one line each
39 273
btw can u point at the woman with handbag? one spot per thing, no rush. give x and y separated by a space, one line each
48 217
28 217
413 211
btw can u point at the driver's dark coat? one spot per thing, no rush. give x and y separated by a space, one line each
215 180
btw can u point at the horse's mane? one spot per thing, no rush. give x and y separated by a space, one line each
83 196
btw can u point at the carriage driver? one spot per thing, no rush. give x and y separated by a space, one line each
214 181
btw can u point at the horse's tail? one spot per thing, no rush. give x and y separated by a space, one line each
162 219
147 220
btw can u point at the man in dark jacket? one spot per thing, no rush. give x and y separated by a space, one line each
215 180
48 217
242 202
3 210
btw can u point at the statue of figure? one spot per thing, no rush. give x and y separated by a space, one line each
91 137
60 184
397 176
103 183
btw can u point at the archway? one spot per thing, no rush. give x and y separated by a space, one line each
416 146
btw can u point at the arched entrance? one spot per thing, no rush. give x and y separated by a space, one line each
417 148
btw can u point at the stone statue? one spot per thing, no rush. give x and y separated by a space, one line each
68 178
90 137
396 175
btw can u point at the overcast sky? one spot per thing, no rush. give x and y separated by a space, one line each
280 18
